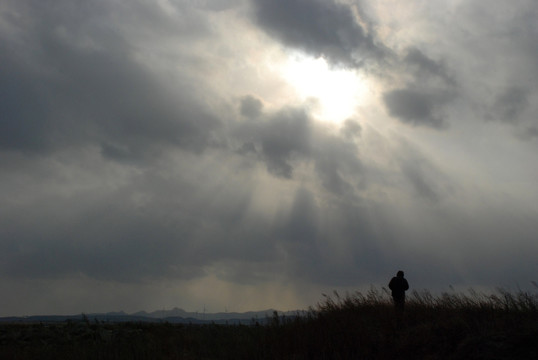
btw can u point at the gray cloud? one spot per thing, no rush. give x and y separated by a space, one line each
428 92
320 28
314 248
531 132
426 180
285 139
418 106
424 67
279 138
91 88
338 164
510 104
131 160
251 107
22 101
104 238
494 55
351 128
329 29
286 134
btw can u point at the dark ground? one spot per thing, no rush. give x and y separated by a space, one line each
354 327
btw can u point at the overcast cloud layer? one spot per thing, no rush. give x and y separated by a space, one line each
153 153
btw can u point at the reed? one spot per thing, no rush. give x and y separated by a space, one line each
451 325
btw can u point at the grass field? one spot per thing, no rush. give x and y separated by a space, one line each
473 325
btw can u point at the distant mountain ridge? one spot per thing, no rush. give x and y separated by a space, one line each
175 315
177 312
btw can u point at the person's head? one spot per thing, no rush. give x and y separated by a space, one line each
400 274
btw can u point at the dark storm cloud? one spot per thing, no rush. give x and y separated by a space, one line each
421 185
429 91
70 76
20 128
418 106
351 128
320 28
531 132
289 137
299 232
314 234
500 45
283 136
120 165
510 104
426 180
161 226
251 107
305 241
424 67
157 225
338 163
104 238
74 79
280 138
330 30
95 93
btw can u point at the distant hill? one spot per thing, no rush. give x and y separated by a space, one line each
249 315
175 315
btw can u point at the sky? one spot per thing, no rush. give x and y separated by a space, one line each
235 155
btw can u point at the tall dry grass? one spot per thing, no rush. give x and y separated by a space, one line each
451 325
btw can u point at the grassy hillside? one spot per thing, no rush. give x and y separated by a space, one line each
356 326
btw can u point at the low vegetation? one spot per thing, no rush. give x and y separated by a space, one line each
473 325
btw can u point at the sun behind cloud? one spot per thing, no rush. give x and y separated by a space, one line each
338 92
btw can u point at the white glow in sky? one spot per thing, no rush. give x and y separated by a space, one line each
337 91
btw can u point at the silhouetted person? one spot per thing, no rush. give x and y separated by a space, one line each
399 285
